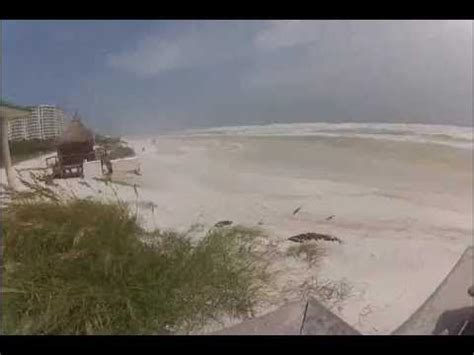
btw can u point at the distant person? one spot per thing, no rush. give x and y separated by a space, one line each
108 165
105 162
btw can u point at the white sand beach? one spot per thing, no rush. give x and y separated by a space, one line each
402 207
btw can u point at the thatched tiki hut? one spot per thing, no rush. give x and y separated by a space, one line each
75 145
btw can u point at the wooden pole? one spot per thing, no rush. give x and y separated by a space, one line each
7 161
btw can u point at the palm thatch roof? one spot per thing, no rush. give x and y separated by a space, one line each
76 132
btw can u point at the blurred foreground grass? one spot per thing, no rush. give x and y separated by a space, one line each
81 267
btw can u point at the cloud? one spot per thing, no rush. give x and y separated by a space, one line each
355 70
198 45
366 70
150 57
323 53
282 34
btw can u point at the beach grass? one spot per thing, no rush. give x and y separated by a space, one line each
81 267
116 147
311 252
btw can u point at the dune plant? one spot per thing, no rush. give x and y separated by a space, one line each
80 267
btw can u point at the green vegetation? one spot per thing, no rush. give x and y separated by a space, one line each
107 140
121 151
82 267
115 147
311 251
8 103
27 149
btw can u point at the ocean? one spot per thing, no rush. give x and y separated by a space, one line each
454 136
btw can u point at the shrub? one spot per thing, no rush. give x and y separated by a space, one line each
312 252
115 147
106 140
80 267
27 149
121 151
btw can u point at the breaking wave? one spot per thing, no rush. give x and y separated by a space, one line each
455 136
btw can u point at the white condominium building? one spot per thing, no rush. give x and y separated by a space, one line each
17 129
43 122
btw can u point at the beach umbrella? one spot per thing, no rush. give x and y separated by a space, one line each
9 111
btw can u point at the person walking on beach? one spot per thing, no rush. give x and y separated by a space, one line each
105 161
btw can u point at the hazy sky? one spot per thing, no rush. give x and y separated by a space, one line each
142 76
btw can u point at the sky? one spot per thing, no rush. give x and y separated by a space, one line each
156 76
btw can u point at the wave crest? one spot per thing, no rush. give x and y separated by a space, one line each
455 136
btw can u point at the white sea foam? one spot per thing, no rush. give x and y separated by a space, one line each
455 136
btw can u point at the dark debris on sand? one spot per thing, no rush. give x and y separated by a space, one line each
223 223
297 210
304 237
